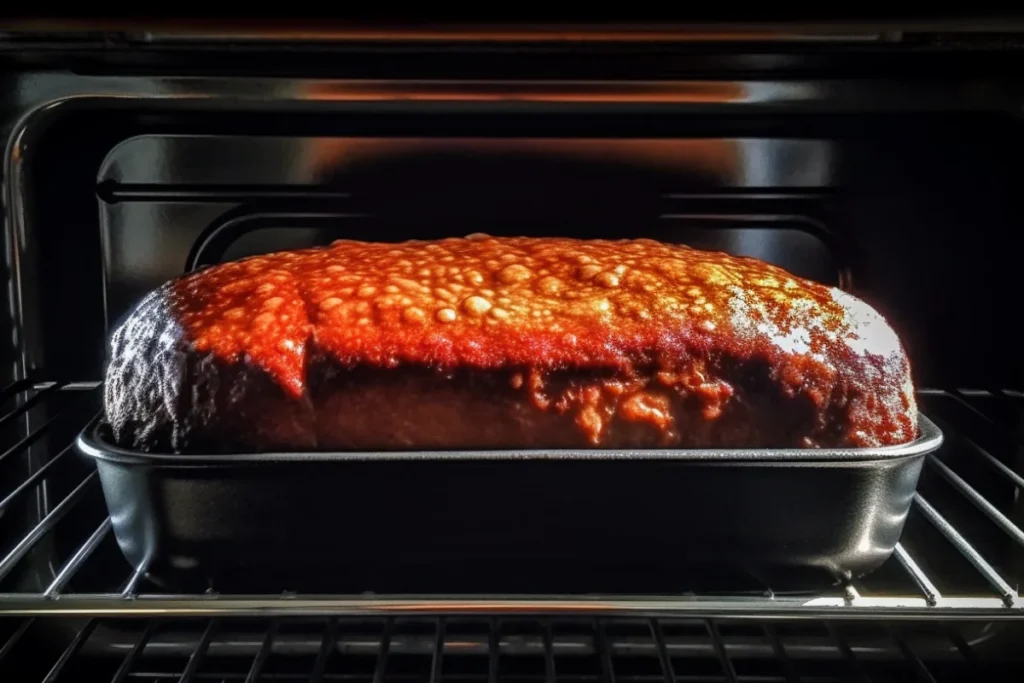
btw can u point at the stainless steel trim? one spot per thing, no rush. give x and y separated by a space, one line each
92 443
989 609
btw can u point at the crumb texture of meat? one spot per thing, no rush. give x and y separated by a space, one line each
485 342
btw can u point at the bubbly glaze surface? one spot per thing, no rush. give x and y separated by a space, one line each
547 304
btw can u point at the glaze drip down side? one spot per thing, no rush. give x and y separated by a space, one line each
484 342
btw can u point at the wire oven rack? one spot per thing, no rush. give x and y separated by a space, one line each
442 647
955 573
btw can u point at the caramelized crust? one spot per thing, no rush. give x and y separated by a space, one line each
504 343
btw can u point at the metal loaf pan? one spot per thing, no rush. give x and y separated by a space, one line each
384 521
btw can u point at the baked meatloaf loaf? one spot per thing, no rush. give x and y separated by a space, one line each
484 342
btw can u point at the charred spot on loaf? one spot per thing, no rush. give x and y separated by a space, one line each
626 342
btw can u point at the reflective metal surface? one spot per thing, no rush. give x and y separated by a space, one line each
851 204
205 160
901 169
524 647
172 202
35 102
363 640
980 609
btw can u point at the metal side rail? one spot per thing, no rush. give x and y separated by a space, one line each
924 587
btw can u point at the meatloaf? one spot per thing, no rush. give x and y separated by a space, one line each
503 343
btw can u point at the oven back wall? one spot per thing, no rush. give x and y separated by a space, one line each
913 213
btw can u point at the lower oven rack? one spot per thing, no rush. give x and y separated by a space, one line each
525 649
954 576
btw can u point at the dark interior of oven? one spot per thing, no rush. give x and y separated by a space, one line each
916 212
890 206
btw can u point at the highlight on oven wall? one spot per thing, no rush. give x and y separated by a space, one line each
908 213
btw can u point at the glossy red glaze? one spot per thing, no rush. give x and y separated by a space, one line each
629 308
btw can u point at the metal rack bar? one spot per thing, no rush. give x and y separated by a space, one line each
979 501
34 436
931 593
605 653
385 647
326 647
1007 594
437 655
723 656
961 399
978 449
30 403
261 656
14 388
995 462
969 608
78 559
45 525
34 478
847 652
666 662
15 637
130 588
189 674
81 387
549 654
70 651
780 653
919 666
493 649
129 661
966 651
